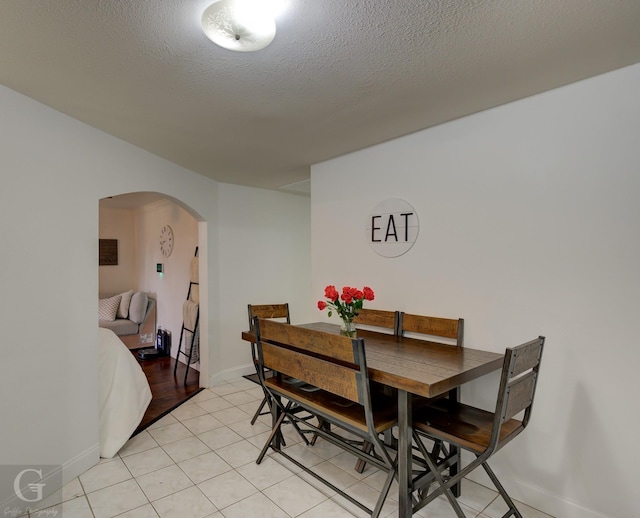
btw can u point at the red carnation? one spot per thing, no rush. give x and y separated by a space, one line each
368 293
331 293
348 291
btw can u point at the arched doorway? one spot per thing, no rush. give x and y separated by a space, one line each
136 220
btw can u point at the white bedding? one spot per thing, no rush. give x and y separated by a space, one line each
124 393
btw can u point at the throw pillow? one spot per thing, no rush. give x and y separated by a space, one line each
107 308
138 307
123 309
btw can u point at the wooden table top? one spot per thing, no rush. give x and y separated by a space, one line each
420 367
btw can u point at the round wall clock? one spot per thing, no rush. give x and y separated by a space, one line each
166 240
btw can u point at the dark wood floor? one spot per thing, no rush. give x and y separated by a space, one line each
168 391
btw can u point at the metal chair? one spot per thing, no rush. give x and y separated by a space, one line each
478 431
376 319
278 312
452 330
434 329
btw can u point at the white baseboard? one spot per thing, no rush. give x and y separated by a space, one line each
235 372
55 480
76 466
537 497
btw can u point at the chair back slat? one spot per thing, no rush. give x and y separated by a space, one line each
525 357
275 311
335 378
519 395
316 342
433 326
378 318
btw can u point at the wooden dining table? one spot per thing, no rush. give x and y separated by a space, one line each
414 366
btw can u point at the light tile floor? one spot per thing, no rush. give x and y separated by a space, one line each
199 462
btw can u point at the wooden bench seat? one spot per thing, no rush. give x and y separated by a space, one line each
331 382
385 414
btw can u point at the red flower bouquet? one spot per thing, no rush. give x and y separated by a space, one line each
345 305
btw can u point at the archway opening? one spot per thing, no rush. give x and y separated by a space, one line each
144 264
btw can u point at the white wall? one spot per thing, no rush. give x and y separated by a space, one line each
169 288
118 224
264 236
529 224
54 172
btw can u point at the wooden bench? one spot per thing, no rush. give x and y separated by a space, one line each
333 384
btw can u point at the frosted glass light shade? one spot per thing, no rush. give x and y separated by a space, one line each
238 25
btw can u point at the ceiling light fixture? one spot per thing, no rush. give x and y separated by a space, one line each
241 25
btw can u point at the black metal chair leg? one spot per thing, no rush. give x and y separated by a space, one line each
361 464
502 491
443 486
259 411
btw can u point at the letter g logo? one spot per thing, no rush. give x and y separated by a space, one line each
35 488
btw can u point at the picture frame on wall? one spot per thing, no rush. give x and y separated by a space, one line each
108 252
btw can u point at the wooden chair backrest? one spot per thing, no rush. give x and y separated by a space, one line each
518 382
378 318
274 311
329 361
433 326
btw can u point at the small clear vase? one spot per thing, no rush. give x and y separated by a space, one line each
348 328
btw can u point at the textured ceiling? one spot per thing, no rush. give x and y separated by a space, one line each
339 76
